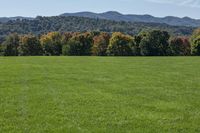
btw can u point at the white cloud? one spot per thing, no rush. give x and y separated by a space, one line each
191 3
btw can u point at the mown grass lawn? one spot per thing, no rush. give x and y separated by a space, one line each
99 94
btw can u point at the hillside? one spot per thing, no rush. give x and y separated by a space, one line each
41 25
116 16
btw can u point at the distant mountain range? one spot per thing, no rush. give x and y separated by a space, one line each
116 16
88 21
6 19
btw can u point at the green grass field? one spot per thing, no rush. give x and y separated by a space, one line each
99 94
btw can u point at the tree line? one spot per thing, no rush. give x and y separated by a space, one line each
150 43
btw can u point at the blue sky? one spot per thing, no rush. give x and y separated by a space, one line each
157 8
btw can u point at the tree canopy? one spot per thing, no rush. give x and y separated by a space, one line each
195 42
149 43
155 43
42 25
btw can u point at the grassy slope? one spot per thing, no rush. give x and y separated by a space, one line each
91 94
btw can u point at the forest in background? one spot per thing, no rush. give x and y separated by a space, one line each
41 25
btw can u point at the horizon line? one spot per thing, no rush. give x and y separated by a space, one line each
100 13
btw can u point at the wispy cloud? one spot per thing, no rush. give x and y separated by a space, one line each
191 3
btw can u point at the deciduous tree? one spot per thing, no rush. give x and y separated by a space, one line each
180 46
155 43
195 42
10 45
79 44
29 46
120 45
100 44
52 43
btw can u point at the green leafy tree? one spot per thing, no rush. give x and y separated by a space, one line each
29 46
52 43
180 46
79 44
195 42
72 47
100 44
10 45
155 43
120 45
137 39
196 46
